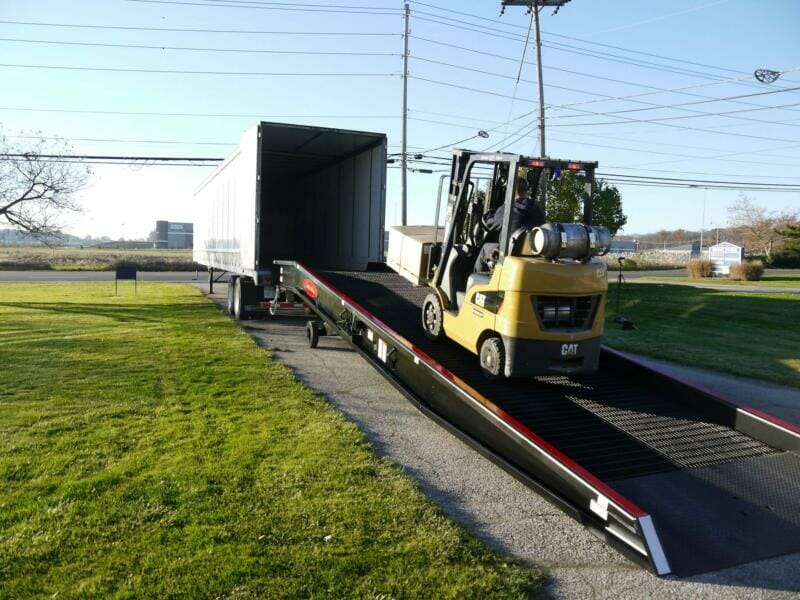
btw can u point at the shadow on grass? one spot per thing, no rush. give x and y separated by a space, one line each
124 313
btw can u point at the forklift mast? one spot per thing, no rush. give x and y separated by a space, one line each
462 210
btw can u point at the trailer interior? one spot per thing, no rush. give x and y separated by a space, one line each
320 196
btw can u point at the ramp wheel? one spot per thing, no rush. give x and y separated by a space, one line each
312 333
493 358
432 317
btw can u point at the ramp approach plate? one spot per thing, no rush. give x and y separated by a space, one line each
717 497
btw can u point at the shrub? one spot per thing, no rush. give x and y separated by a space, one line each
787 257
629 264
699 267
749 270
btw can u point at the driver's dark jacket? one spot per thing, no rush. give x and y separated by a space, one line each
525 213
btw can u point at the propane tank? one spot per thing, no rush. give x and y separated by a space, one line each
569 240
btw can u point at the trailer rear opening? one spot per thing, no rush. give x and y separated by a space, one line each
291 191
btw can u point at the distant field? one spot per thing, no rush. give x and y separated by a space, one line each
33 258
753 334
769 281
150 449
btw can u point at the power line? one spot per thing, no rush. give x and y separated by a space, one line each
607 98
122 141
654 181
651 105
675 118
463 68
575 50
197 49
693 181
181 114
703 173
282 8
30 156
185 72
184 30
304 4
461 87
577 39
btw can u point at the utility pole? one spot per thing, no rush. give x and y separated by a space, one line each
404 149
703 223
535 6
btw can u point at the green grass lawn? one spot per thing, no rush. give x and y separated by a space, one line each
148 448
750 334
776 281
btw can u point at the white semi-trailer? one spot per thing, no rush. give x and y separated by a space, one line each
297 192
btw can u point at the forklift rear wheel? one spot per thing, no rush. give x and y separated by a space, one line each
312 333
493 358
432 317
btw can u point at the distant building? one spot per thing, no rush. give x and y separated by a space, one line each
174 235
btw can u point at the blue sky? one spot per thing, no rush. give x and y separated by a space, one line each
729 38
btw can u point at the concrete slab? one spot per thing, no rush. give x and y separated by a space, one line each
490 503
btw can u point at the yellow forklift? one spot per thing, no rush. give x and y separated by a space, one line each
534 303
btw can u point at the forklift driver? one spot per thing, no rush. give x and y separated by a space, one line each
524 213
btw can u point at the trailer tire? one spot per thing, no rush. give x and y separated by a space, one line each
312 333
244 295
229 298
493 358
432 317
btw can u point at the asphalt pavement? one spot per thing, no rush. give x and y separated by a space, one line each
496 507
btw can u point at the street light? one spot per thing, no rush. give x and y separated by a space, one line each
766 75
703 222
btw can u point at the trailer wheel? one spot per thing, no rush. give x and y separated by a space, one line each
240 312
229 300
312 333
432 314
493 358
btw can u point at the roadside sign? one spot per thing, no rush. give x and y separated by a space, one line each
125 272
723 255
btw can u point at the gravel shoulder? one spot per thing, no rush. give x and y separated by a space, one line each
496 507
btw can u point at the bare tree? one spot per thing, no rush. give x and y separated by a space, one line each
663 234
761 230
36 190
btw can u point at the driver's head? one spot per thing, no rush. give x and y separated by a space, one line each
521 187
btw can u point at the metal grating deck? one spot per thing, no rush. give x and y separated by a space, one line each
614 427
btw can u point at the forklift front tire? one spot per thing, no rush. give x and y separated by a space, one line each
493 358
432 317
